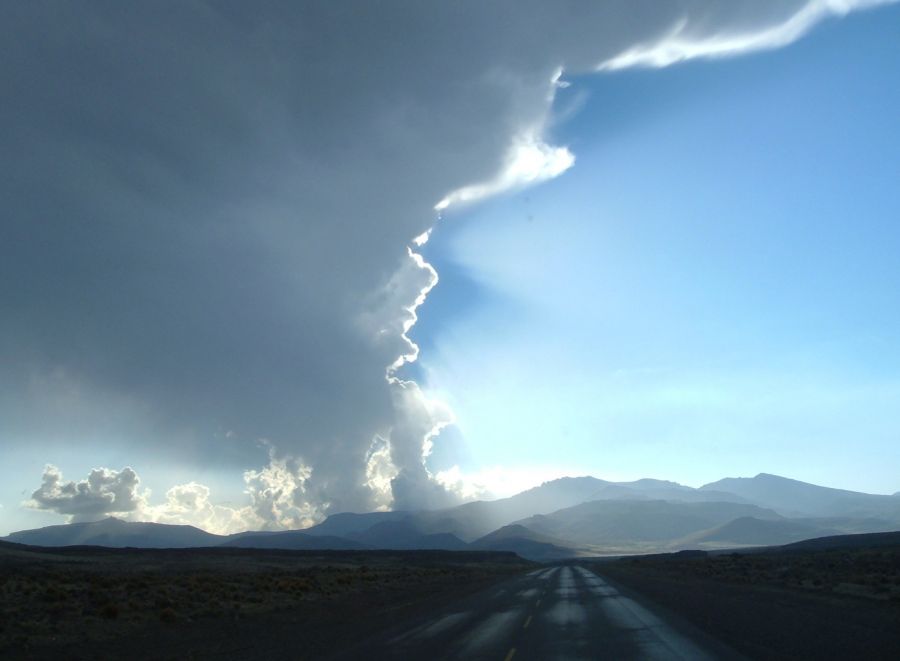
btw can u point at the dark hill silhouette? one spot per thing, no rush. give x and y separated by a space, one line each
293 539
346 523
526 543
516 531
865 540
117 533
405 535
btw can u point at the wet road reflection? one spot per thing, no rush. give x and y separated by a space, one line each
564 612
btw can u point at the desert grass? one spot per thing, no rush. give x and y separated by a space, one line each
63 599
868 573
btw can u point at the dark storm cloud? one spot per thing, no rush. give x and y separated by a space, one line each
206 208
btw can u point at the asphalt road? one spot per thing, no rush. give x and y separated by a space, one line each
565 612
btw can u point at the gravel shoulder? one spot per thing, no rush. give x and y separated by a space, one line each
826 605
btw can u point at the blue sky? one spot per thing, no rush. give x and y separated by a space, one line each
712 290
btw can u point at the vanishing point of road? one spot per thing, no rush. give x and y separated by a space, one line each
564 612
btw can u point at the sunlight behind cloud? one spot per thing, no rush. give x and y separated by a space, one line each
530 161
497 481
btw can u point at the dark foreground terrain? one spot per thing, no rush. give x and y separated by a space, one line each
93 603
823 599
832 599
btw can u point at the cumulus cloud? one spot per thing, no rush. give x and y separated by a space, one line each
276 493
206 230
103 493
191 504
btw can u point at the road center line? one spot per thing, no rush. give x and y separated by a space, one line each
509 656
527 622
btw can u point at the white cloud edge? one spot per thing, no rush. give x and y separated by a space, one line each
529 160
678 45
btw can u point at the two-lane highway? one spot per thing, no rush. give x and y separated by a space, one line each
565 612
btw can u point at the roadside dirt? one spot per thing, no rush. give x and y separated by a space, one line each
777 607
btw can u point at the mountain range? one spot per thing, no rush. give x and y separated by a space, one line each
562 518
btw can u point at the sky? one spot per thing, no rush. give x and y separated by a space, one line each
713 288
263 264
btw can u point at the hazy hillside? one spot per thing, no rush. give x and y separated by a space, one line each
666 490
849 525
476 519
564 492
750 531
795 498
472 521
617 522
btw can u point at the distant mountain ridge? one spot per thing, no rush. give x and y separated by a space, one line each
617 522
118 533
562 518
795 498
